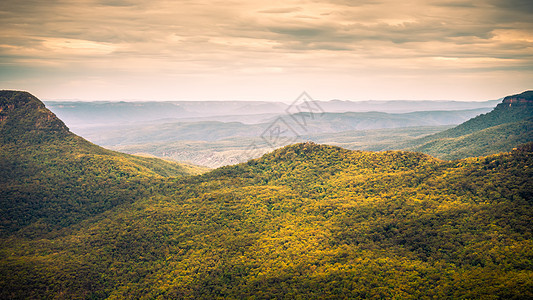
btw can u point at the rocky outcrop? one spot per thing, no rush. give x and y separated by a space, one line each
523 98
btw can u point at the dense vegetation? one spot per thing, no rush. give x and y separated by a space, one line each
305 221
52 178
491 140
500 130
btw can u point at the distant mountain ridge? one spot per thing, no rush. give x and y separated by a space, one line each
505 112
507 125
80 113
157 128
403 106
172 131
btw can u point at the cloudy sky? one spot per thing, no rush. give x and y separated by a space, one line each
266 49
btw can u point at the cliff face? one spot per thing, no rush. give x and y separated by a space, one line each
513 108
523 98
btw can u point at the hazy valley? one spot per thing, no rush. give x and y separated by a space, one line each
214 134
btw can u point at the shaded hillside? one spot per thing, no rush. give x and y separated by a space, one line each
51 178
500 130
305 221
25 120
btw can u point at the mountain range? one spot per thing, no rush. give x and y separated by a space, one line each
79 114
216 139
305 221
214 133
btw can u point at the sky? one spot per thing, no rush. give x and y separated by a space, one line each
266 49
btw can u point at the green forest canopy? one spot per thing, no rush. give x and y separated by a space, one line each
305 221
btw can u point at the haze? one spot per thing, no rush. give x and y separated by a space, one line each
266 50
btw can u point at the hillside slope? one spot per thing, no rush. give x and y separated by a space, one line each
305 221
51 178
500 130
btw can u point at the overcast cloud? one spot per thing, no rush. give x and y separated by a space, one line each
266 50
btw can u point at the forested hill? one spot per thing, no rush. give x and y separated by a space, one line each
25 120
52 178
509 124
305 221
512 109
